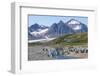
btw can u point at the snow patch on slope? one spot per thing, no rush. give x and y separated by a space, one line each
39 32
77 28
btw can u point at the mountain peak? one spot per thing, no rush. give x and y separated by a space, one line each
73 22
37 27
35 24
61 21
54 24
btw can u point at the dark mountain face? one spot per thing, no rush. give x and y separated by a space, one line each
84 28
34 27
57 29
63 28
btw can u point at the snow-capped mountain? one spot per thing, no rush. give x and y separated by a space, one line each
77 26
72 26
37 31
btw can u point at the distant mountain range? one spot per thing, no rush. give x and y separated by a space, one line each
72 26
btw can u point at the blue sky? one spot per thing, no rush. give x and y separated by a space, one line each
49 20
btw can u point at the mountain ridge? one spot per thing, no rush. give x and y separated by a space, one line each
57 29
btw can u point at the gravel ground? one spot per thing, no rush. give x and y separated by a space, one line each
37 53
